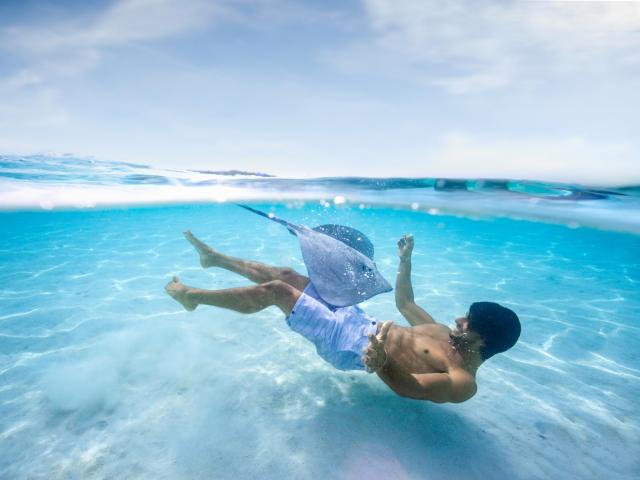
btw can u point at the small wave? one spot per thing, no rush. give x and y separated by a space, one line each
54 182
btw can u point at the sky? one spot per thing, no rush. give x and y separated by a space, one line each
544 90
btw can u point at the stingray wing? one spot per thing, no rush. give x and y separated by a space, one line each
350 236
341 275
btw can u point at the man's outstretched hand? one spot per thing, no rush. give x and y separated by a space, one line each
405 247
375 356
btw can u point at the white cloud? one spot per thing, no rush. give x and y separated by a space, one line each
69 48
124 22
20 79
463 45
39 108
32 95
78 44
572 159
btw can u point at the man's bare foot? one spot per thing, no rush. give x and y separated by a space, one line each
179 293
208 256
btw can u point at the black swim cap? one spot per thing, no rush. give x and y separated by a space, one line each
498 326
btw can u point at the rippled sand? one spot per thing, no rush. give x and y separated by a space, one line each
104 376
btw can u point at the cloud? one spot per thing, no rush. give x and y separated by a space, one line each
464 46
59 49
123 22
34 91
72 47
569 159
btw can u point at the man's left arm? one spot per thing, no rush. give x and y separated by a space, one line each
405 302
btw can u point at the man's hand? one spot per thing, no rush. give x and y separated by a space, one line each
375 356
405 247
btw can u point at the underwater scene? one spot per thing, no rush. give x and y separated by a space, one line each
103 375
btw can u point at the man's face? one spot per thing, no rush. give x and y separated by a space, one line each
461 326
462 336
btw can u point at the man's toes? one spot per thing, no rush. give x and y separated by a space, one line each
190 237
170 287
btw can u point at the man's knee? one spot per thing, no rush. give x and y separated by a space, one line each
281 293
293 278
287 272
277 287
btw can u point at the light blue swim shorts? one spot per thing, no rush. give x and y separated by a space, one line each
339 333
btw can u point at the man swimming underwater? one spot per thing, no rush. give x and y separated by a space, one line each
426 361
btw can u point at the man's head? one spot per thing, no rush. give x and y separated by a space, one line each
498 327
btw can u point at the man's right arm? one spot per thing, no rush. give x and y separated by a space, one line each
405 303
455 387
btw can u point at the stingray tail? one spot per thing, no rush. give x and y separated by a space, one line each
290 226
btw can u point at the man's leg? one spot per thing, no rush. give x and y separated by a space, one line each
255 271
244 300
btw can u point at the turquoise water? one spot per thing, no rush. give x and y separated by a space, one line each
104 376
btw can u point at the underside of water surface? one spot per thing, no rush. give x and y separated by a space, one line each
102 375
43 182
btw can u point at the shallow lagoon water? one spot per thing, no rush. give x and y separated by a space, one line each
104 376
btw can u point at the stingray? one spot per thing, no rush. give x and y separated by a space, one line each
339 261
